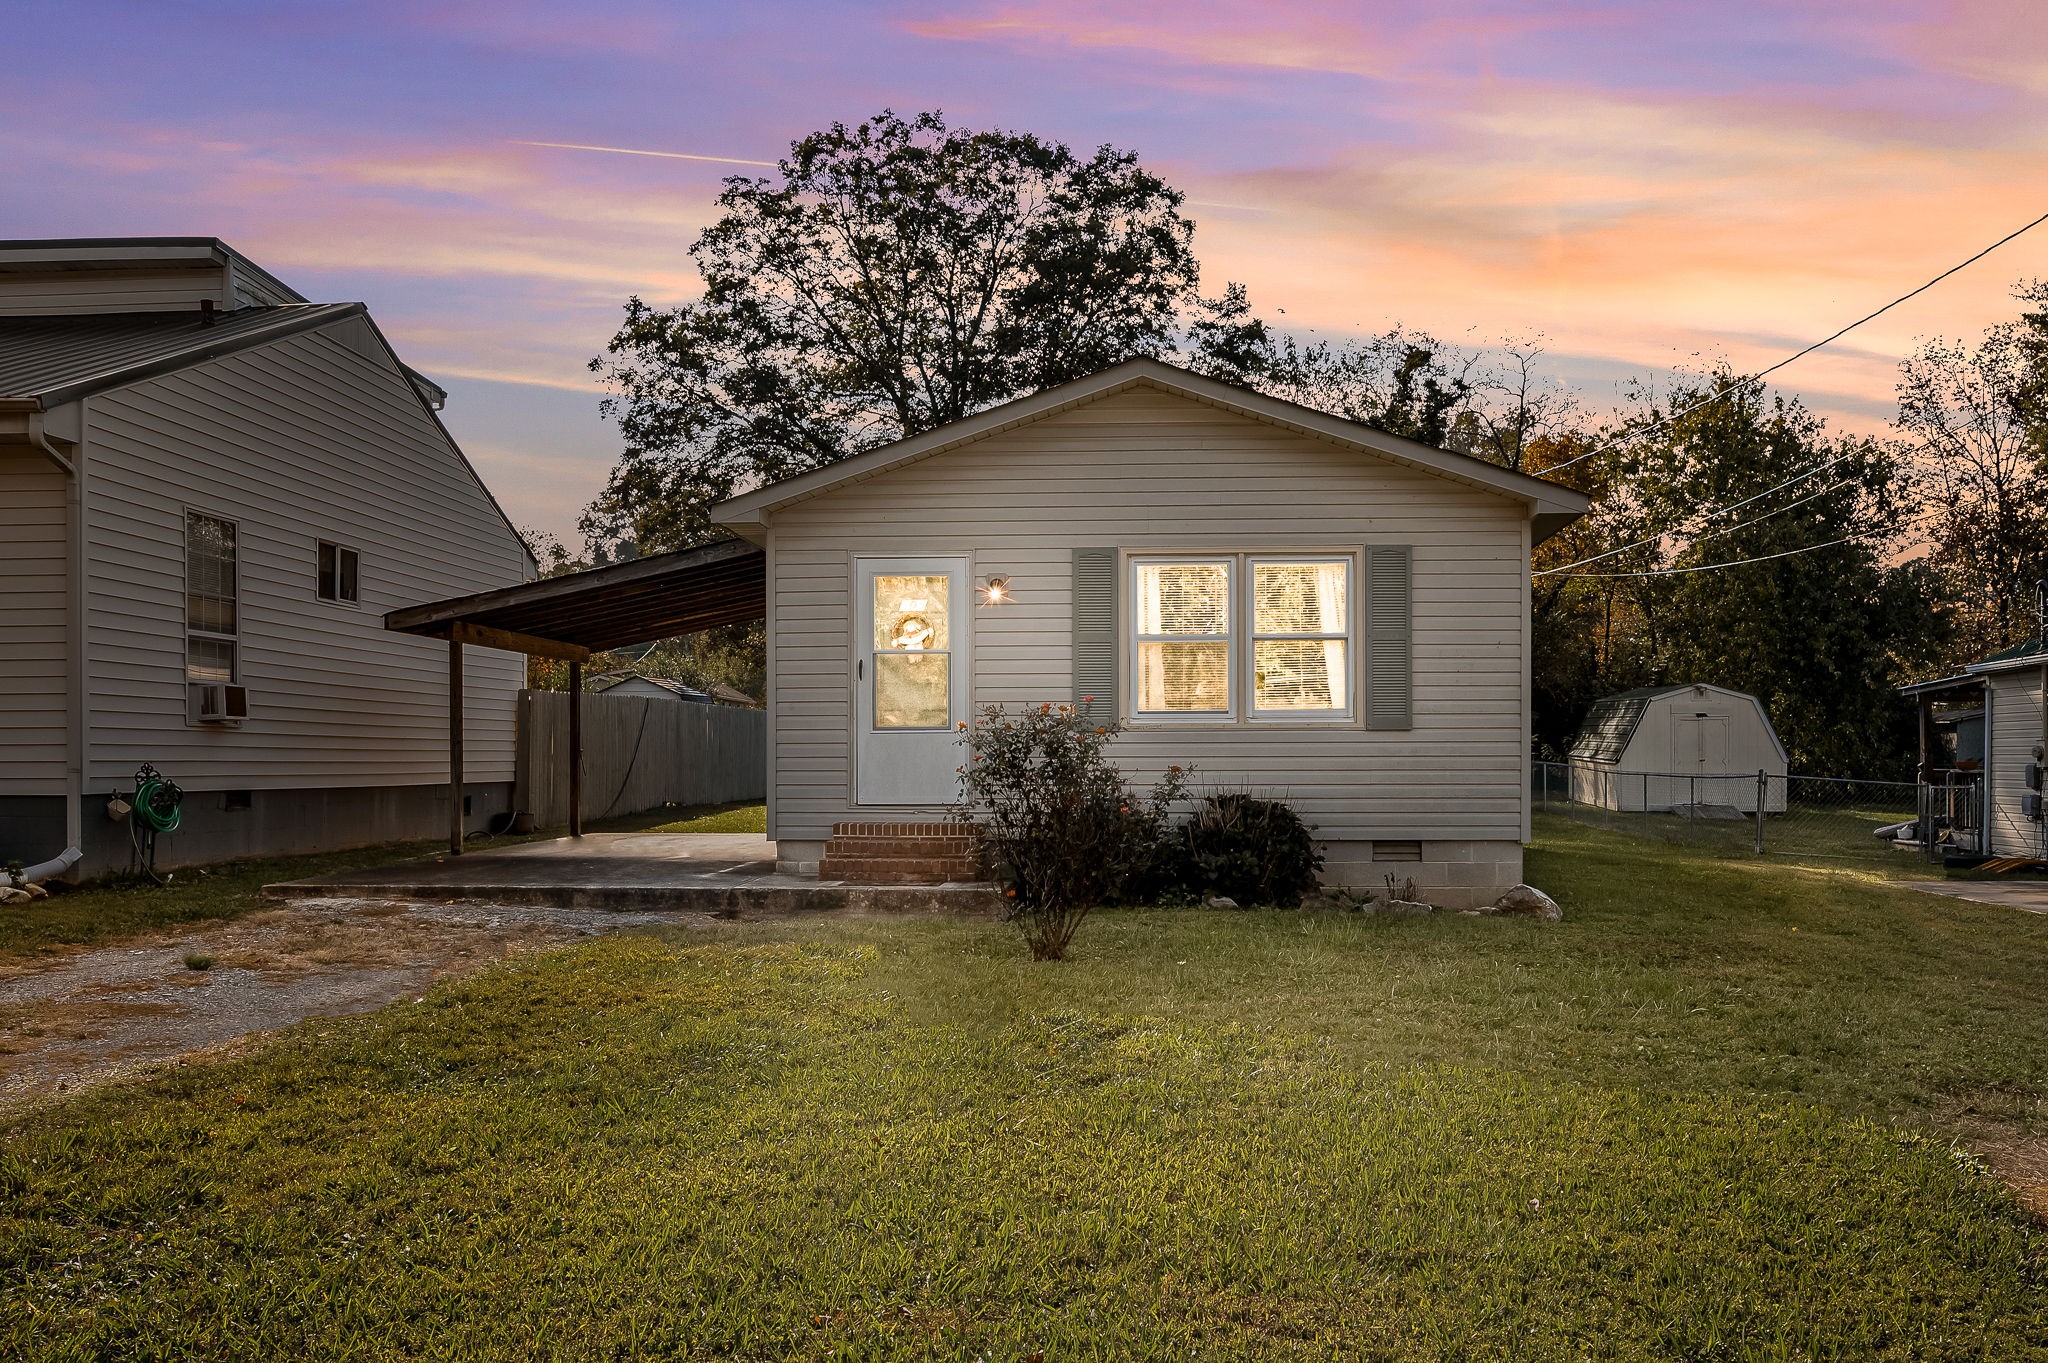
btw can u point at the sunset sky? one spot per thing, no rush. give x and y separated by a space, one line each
1644 183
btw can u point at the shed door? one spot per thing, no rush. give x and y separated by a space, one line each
1700 742
910 679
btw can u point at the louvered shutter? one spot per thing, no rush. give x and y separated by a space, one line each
1095 647
1389 637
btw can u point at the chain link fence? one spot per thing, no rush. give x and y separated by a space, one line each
1754 815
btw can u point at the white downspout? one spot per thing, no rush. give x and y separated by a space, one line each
81 692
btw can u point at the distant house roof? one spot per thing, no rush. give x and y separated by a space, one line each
1612 722
716 694
669 684
54 360
2030 652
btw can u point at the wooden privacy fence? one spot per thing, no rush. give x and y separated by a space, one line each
638 753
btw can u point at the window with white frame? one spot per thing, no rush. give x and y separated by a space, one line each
1242 637
210 598
340 572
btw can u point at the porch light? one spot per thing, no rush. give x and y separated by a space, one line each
995 591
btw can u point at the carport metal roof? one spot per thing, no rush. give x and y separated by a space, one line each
577 614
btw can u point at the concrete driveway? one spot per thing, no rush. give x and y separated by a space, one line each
2030 896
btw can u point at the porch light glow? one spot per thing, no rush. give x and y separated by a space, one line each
995 591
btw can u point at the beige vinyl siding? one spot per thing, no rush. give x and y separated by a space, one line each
1147 471
315 437
2015 729
82 291
33 631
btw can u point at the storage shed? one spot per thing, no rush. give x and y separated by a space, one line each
1678 747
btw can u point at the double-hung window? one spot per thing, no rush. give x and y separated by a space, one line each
210 598
1242 637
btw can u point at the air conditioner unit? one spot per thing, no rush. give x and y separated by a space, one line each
218 703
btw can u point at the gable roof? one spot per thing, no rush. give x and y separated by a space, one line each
1552 505
57 359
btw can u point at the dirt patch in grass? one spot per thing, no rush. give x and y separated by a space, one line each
94 1015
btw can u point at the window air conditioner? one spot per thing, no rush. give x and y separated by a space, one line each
216 703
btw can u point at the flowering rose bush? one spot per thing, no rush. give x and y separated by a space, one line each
1063 829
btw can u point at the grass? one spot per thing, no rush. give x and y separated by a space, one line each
1709 1116
120 907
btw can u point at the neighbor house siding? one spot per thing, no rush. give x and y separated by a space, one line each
315 437
83 291
2015 730
33 630
1146 471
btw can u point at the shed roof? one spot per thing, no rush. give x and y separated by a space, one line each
1612 722
656 597
56 359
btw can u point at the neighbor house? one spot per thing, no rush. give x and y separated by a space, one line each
1289 602
1672 747
1994 711
211 490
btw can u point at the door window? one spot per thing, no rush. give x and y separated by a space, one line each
912 651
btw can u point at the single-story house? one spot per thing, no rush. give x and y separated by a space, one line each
1672 747
1286 601
214 489
1994 709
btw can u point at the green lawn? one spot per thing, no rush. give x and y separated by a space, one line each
117 908
1709 1116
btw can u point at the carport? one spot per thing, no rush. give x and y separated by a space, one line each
577 614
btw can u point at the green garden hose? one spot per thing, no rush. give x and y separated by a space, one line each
159 803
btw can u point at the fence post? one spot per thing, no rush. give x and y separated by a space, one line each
1763 800
1646 804
1545 797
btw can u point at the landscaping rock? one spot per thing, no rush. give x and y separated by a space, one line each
1527 899
1219 902
1402 906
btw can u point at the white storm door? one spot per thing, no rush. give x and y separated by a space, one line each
910 679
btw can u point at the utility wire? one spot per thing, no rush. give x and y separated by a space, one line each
1718 511
1759 376
1709 567
1916 522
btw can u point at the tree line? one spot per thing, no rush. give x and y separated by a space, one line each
898 274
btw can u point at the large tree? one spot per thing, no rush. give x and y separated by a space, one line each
886 279
1979 418
1811 615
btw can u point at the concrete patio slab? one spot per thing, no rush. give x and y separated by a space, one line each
2028 895
727 874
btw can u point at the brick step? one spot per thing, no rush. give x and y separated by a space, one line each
902 853
898 870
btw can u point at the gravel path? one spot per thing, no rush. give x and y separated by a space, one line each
99 1014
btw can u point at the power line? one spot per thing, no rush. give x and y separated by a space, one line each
1718 511
1759 376
1709 567
1915 523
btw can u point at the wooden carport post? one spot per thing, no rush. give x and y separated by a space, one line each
455 828
575 749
